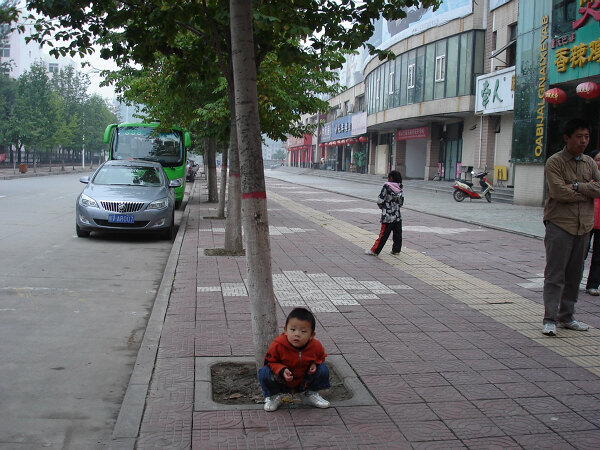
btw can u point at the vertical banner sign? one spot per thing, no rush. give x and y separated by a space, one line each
542 86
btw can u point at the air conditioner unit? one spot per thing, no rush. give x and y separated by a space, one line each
338 113
350 108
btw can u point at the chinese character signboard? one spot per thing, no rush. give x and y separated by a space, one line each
411 133
359 124
496 92
577 54
341 128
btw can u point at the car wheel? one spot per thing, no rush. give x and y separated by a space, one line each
81 233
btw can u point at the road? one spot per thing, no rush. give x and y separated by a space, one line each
72 315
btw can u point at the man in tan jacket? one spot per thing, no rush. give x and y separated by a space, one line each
572 183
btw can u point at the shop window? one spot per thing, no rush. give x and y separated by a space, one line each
440 68
410 83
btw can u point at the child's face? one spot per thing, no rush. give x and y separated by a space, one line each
298 332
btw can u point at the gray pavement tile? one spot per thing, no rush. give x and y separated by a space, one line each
565 422
496 442
480 391
481 427
426 431
547 440
453 409
520 389
157 440
318 417
439 393
215 420
520 425
260 419
410 412
585 440
216 438
425 380
441 445
327 437
559 387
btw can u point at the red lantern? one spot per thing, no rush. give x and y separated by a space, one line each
588 90
555 96
363 139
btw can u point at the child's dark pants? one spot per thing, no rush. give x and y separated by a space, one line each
270 384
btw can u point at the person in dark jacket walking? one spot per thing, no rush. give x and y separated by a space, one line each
390 201
593 279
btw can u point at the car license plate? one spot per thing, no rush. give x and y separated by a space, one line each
120 218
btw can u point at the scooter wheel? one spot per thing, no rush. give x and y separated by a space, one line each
459 195
488 197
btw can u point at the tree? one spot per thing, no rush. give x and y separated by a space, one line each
279 154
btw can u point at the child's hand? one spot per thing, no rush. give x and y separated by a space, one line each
287 375
312 369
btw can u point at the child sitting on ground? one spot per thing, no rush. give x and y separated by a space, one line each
295 362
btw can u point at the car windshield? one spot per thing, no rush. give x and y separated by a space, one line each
128 175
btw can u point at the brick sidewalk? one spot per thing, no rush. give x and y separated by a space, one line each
444 337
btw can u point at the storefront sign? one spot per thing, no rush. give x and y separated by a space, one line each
577 55
495 92
411 133
341 128
542 86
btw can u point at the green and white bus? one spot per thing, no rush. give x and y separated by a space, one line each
144 141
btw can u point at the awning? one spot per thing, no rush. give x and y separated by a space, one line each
500 50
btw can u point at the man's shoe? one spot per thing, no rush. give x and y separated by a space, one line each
549 329
314 399
574 325
272 403
394 253
592 291
370 252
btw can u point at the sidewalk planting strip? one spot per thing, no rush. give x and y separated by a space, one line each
501 305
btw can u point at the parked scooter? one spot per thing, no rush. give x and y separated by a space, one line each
464 189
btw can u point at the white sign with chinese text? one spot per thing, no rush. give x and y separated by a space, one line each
495 92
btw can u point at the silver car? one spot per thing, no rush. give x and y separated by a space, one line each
127 196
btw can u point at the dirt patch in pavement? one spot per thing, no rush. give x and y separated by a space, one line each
237 384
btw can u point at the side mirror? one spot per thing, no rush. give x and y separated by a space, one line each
85 179
173 183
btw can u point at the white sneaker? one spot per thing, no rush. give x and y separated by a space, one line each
574 325
593 291
370 252
272 403
314 399
549 329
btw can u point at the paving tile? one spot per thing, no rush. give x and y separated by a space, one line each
439 445
439 393
523 389
580 403
463 377
473 428
410 412
217 420
492 443
315 417
425 431
390 390
538 441
218 438
377 434
565 421
363 414
327 436
425 380
453 409
519 425
258 418
586 440
270 438
176 439
559 388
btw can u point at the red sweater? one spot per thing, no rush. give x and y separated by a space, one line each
282 354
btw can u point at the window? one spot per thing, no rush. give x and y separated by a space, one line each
440 68
53 68
391 82
410 84
4 48
377 83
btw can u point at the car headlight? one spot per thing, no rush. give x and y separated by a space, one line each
181 180
88 202
159 204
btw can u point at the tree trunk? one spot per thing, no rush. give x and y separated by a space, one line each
233 220
254 198
223 189
211 164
